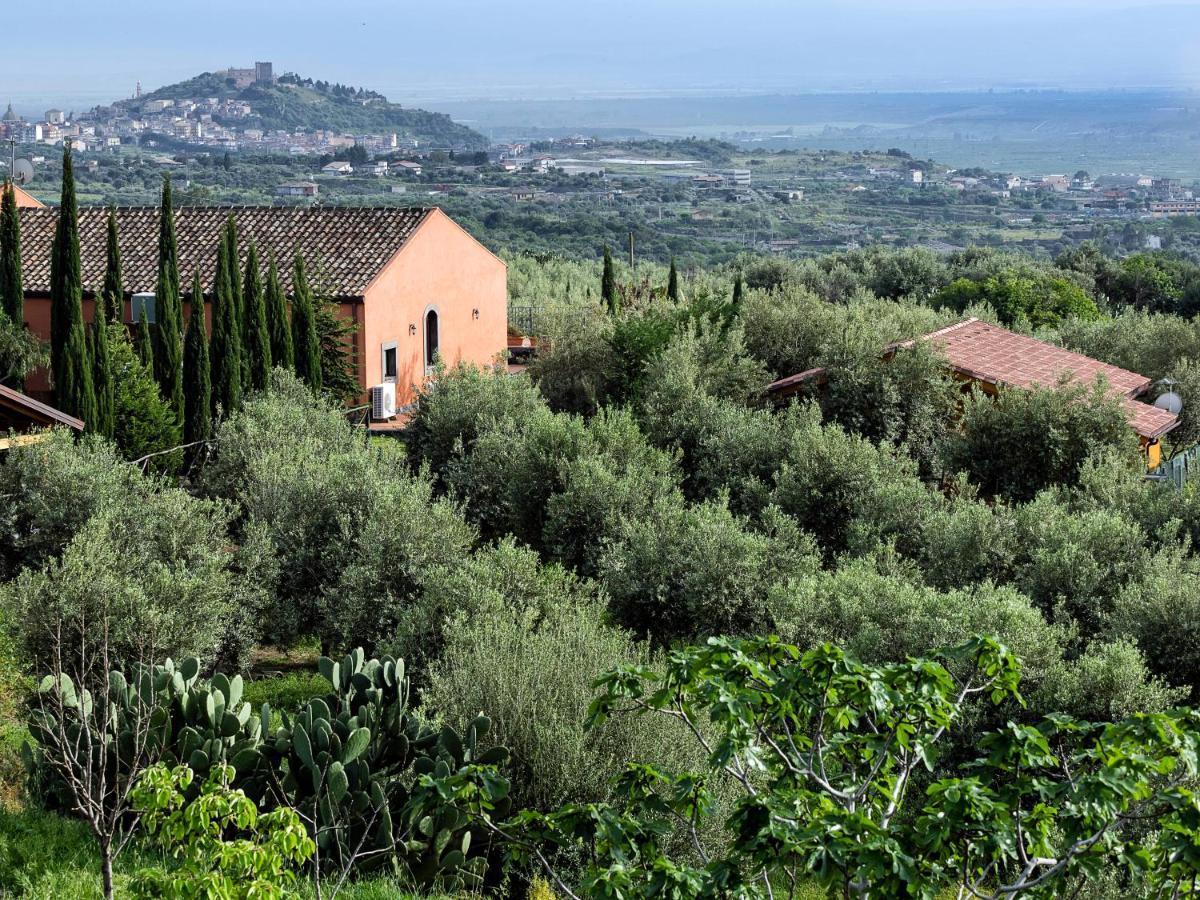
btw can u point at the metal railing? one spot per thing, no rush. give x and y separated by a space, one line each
524 319
1179 469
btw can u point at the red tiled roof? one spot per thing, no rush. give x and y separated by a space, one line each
344 247
994 355
998 356
16 407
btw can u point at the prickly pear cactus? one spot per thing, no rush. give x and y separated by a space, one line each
348 763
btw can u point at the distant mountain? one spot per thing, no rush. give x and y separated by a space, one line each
293 102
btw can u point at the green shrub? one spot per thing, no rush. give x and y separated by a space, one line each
456 408
534 676
497 577
849 493
158 574
52 488
686 571
1022 441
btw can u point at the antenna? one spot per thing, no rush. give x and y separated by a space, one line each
22 172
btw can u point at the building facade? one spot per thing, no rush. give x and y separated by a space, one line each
417 286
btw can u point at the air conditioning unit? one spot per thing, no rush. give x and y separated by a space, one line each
383 401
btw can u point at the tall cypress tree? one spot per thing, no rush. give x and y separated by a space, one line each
68 342
113 294
12 294
277 320
197 378
235 285
737 292
144 345
167 333
225 354
257 346
305 341
102 377
608 282
673 282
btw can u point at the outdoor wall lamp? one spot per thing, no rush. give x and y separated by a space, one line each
412 329
475 313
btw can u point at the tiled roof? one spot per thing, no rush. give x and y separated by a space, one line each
18 407
343 247
994 355
998 356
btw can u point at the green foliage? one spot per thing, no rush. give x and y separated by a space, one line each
148 574
849 493
346 763
305 340
225 352
257 341
20 352
200 834
71 370
102 378
1038 301
278 325
825 749
536 681
608 283
456 407
12 294
678 571
197 372
112 294
167 332
1021 441
335 336
143 421
346 523
52 489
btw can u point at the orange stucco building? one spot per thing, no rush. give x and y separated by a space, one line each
417 286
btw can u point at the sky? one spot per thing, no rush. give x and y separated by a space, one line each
533 49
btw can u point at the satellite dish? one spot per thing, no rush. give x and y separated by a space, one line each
1171 402
22 171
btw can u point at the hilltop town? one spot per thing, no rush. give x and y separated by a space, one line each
245 109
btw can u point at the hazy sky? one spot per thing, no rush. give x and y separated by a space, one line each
539 48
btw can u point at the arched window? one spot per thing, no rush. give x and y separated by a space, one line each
431 339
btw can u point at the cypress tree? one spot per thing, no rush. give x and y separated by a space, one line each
257 346
304 328
144 345
235 286
225 354
608 282
197 394
277 320
102 377
673 282
12 293
113 295
167 333
68 342
737 293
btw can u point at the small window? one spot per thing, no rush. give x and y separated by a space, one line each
431 339
389 362
142 305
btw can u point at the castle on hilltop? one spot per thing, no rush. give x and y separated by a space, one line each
262 73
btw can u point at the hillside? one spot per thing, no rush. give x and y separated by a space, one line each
293 102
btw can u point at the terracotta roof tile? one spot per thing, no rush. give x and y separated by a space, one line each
999 356
995 355
347 246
